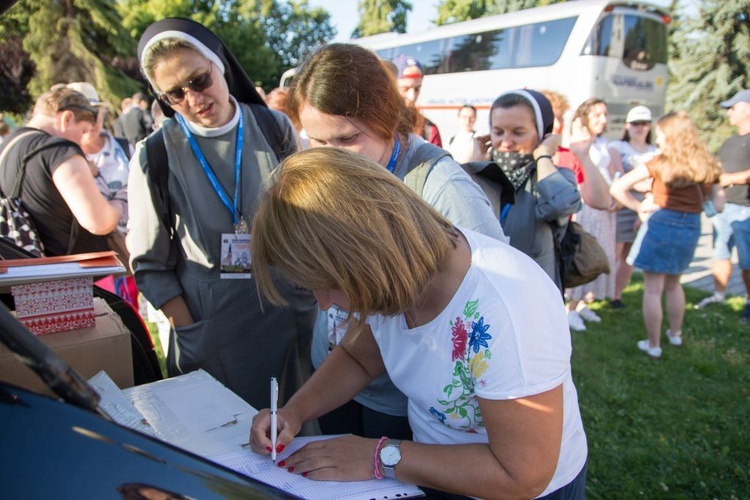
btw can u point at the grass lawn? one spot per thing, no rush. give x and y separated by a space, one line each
673 428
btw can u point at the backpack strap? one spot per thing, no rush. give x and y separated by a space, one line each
425 158
124 145
22 168
281 141
157 174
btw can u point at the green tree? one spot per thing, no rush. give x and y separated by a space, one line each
293 30
381 16
63 41
266 36
711 62
453 11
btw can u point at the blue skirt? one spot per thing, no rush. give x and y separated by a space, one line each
666 242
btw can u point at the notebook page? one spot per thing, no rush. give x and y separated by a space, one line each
262 468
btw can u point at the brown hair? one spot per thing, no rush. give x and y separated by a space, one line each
349 80
684 158
64 99
558 101
309 225
585 108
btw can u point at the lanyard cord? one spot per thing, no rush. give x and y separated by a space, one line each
236 207
394 155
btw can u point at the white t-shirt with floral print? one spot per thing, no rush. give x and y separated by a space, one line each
504 335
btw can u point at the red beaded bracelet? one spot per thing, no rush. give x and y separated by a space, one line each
378 474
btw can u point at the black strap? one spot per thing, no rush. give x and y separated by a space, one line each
283 142
124 144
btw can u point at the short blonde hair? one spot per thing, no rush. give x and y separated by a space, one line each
684 158
335 220
64 99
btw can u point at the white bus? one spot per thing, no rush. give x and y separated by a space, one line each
613 50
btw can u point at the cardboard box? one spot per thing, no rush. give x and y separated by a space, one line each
106 346
55 306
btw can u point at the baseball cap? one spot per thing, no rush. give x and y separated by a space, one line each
639 114
88 91
741 96
408 67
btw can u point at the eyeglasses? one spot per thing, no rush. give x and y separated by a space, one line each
197 84
639 124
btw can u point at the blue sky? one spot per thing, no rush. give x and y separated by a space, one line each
345 15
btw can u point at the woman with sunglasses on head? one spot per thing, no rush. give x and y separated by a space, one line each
344 96
195 267
472 331
635 148
58 187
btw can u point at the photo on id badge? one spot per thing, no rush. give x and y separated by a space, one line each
235 256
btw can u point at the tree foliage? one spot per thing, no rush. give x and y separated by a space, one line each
266 36
710 62
381 16
66 41
454 11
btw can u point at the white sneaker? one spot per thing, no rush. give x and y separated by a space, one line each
588 315
654 352
716 298
576 322
675 340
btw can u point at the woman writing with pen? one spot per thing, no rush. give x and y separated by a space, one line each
481 349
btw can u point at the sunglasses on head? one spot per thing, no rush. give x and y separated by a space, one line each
197 84
640 124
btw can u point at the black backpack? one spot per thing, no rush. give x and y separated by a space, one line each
157 168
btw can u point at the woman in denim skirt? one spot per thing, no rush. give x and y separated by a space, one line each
684 175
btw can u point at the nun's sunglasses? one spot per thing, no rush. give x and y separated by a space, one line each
197 84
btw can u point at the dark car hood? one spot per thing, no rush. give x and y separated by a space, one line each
51 449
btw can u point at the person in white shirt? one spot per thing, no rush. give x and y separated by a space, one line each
470 329
461 145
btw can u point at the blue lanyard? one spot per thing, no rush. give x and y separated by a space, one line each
394 155
504 213
235 208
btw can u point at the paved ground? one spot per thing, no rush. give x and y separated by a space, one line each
699 273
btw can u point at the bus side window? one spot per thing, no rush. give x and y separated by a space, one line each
600 41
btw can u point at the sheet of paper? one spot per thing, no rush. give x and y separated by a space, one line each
191 407
262 468
117 406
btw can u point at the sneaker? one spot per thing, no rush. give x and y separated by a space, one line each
716 298
576 322
654 352
617 304
588 315
676 339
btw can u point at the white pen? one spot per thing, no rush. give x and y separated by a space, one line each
274 403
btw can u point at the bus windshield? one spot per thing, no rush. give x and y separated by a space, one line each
642 45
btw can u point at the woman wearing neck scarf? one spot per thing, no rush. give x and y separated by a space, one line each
195 266
523 146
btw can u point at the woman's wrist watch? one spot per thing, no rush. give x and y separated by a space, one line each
390 456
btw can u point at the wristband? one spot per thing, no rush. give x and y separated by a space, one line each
543 156
378 474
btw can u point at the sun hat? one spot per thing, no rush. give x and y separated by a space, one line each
88 91
639 114
741 96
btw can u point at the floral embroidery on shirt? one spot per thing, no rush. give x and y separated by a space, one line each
470 355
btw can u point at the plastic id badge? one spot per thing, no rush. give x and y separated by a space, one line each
236 262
